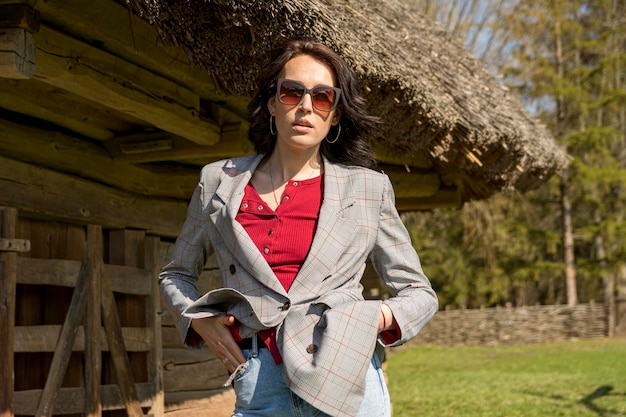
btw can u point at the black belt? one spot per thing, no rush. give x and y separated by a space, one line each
247 343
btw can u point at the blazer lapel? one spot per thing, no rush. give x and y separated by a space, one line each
230 194
333 233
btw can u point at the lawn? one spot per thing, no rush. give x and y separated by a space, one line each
573 379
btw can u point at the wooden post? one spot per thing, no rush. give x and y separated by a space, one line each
66 340
121 363
126 247
153 320
8 277
93 324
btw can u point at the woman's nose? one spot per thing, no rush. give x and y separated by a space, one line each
306 104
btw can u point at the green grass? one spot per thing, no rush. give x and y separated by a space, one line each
573 379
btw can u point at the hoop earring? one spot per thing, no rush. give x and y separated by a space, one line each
272 129
336 137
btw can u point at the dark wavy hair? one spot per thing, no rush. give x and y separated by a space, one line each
356 124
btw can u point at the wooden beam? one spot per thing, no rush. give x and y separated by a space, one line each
41 192
449 197
123 34
93 324
416 159
67 63
412 183
8 281
43 339
72 400
68 154
64 273
14 245
163 146
65 342
153 321
19 16
133 39
119 355
43 101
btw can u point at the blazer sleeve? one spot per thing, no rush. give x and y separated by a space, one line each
179 277
413 300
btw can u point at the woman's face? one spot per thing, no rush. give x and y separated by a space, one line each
302 126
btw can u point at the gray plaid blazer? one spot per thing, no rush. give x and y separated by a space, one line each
326 332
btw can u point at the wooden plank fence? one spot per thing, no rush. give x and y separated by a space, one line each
94 325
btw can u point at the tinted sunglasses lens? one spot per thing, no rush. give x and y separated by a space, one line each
290 92
324 98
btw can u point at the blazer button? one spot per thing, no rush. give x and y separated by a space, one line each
232 269
286 306
312 348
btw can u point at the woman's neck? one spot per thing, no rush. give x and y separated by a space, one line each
295 165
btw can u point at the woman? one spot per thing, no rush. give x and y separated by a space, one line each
292 228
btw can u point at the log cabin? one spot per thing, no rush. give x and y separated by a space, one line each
108 110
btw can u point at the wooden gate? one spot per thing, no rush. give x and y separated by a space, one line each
82 308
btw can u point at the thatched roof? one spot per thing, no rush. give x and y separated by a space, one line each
432 95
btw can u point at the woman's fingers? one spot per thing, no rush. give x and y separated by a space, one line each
219 340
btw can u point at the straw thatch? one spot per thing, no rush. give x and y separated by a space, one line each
431 94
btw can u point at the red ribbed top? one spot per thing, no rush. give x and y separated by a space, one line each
283 236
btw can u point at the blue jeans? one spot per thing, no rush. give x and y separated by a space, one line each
262 392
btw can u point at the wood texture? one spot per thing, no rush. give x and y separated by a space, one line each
21 16
132 38
14 245
93 325
42 101
66 339
64 153
64 273
153 321
17 53
8 280
46 193
119 355
72 400
42 338
67 63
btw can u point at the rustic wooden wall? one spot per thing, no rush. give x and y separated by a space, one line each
87 335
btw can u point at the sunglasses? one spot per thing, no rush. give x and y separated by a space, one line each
324 98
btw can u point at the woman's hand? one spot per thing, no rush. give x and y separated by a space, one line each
386 320
217 336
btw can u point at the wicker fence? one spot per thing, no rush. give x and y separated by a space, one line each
515 326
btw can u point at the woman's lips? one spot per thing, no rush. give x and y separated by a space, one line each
302 126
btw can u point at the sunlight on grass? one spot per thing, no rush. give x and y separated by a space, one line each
583 378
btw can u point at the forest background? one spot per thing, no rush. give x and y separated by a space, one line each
563 242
